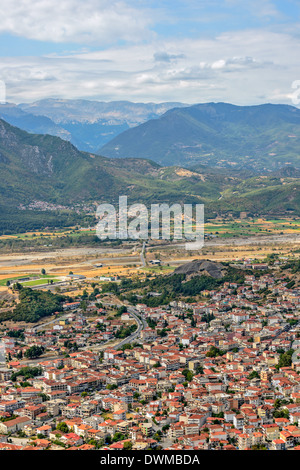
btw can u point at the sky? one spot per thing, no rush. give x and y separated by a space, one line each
192 51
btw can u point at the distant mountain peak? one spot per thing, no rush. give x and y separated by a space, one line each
261 137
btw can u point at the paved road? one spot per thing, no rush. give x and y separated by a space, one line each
56 319
129 339
40 359
141 325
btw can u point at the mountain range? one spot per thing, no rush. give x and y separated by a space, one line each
86 124
261 138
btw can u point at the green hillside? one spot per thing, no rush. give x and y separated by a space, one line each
47 169
47 182
270 197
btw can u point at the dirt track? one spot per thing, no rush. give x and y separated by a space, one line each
85 258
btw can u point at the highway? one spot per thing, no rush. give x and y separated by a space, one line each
143 260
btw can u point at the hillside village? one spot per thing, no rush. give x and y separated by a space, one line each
221 373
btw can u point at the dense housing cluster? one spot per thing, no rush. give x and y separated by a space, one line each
220 373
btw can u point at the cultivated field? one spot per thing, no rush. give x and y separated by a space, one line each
227 241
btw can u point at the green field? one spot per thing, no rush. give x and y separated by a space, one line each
224 228
158 269
43 278
38 282
251 227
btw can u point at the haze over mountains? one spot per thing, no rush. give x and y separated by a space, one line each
260 138
39 170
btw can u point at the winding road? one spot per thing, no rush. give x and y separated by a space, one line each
141 325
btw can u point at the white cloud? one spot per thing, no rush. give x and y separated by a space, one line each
219 64
88 21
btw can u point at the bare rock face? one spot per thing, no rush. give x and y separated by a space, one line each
200 267
34 153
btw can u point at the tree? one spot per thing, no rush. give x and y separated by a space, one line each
277 404
34 351
43 396
188 374
121 310
127 445
71 346
285 359
254 375
20 354
34 304
281 414
118 436
17 286
162 333
213 352
27 373
63 427
111 386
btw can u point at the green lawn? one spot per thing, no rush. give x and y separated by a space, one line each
38 282
158 269
4 281
225 229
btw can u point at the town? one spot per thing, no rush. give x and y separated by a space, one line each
219 373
